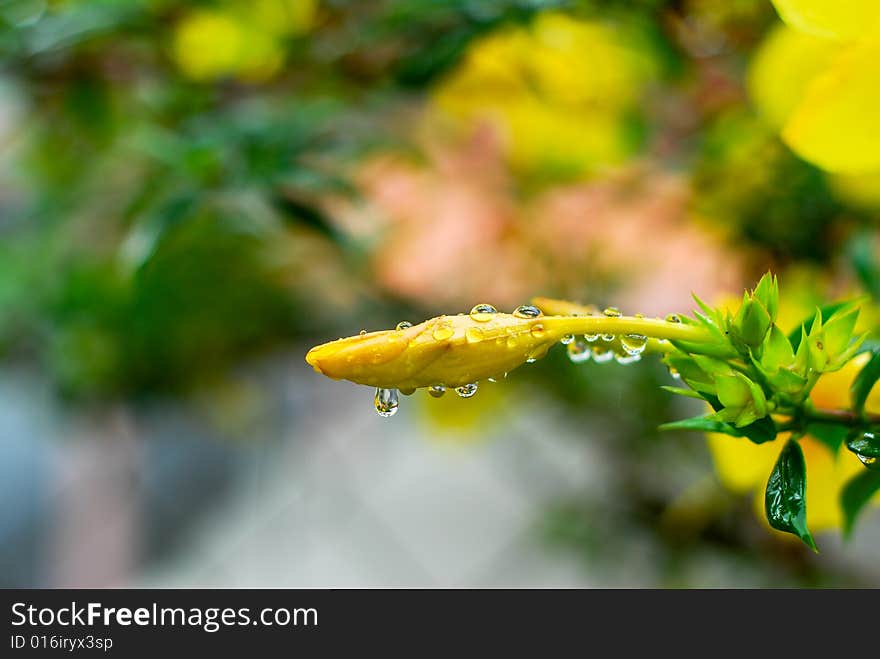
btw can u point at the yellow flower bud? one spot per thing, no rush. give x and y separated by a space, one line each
458 350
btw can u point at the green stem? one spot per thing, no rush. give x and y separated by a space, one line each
653 328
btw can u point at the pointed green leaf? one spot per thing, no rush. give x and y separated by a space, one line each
767 292
839 331
703 424
785 500
807 325
681 391
855 496
864 382
777 350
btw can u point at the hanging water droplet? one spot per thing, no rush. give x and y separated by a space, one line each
626 359
483 312
602 355
537 330
578 351
473 334
403 324
496 378
407 391
531 360
634 344
442 332
567 339
674 373
527 311
386 401
591 337
466 390
867 460
436 390
673 318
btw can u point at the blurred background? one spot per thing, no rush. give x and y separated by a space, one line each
192 194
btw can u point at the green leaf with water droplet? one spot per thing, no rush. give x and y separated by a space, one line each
785 500
855 496
864 443
864 382
807 325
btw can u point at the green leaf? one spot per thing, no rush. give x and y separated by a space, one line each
830 434
839 331
767 292
777 350
681 391
855 495
826 312
762 430
703 424
864 382
785 500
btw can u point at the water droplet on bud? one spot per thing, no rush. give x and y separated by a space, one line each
442 332
537 330
527 311
386 402
626 359
567 339
403 324
466 390
634 344
436 390
363 332
673 318
483 312
473 334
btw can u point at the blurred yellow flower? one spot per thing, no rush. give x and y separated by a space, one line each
560 92
242 40
819 82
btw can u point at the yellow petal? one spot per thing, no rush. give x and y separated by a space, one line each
845 20
836 126
782 68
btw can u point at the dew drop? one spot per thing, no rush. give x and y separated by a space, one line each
612 312
639 315
436 390
608 338
578 350
442 332
527 311
408 391
673 318
591 337
363 332
403 324
867 460
602 355
483 312
498 378
537 330
386 402
511 342
473 334
626 359
634 344
466 390
531 360
568 339
674 373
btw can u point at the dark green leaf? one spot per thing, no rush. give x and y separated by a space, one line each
830 434
760 431
785 500
864 382
857 492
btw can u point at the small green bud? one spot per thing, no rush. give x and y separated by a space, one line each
744 401
767 293
751 323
